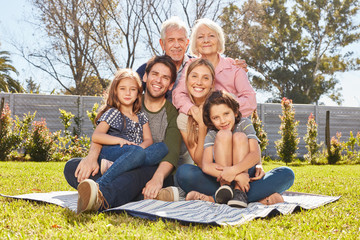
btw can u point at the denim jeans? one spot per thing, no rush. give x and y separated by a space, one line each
192 178
124 188
129 157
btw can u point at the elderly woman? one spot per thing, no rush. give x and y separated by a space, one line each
207 41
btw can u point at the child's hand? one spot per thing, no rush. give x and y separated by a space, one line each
123 142
197 114
228 174
243 181
259 173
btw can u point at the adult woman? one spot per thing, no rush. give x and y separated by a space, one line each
199 83
207 41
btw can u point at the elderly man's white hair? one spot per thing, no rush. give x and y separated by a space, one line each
213 26
175 23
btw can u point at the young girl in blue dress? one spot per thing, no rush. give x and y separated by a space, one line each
122 128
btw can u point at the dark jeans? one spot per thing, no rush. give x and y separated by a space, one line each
124 188
192 178
129 157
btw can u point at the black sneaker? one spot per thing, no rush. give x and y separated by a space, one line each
239 200
224 194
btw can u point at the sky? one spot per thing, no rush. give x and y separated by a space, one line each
15 28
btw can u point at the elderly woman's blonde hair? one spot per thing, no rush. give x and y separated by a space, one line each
175 23
213 26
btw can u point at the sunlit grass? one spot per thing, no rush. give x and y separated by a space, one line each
23 220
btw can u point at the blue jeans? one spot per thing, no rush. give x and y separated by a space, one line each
192 178
129 157
124 188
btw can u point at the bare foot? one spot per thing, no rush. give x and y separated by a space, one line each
272 199
105 165
194 195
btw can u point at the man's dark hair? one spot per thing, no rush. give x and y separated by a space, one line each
167 61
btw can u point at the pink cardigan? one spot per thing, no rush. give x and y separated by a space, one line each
228 77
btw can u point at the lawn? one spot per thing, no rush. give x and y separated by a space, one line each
23 220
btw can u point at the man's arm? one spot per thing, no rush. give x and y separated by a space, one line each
169 162
89 165
153 186
180 95
241 63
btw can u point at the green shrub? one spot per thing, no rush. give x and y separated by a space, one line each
336 147
9 139
350 147
40 144
22 127
310 139
67 145
288 144
92 114
260 133
66 120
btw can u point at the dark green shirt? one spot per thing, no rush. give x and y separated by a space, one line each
164 129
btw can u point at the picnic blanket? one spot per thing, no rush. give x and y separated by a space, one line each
194 211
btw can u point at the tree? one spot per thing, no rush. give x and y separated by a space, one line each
90 86
114 23
95 38
31 86
70 45
7 83
296 47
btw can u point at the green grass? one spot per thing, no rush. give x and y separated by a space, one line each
23 220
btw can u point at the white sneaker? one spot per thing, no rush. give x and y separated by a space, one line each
171 194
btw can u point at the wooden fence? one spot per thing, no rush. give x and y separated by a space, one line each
342 119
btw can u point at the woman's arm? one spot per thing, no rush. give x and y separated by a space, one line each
197 150
100 136
147 137
180 95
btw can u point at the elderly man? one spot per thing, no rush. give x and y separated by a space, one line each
174 42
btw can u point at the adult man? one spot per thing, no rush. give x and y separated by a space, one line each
160 75
174 40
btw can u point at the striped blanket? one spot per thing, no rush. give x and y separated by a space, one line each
194 211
